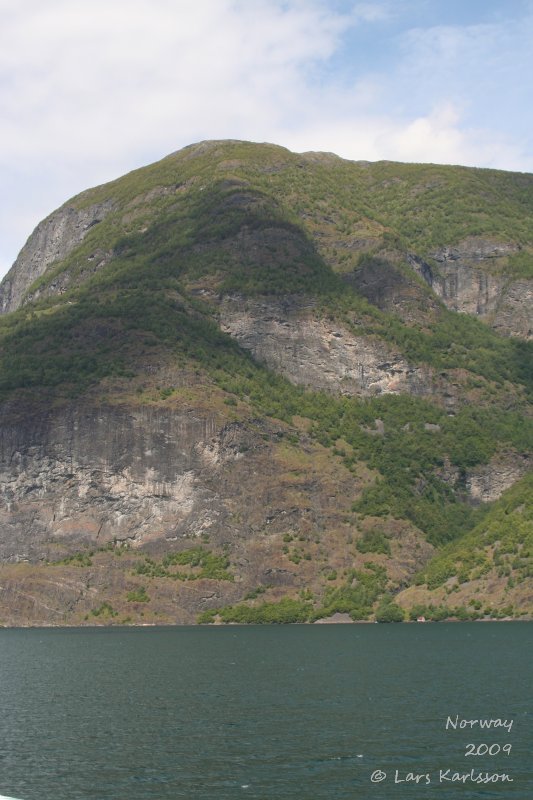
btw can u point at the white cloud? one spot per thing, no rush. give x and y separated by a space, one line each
371 12
107 77
438 137
483 67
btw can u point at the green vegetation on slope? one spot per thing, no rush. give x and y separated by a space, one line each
245 232
427 204
503 541
256 221
356 597
73 345
200 563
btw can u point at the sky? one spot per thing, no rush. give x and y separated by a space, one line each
91 90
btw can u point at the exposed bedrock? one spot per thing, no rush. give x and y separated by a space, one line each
468 279
51 241
318 354
94 475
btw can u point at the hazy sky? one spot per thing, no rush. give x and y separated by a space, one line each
92 89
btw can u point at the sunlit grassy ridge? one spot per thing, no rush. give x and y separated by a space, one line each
418 206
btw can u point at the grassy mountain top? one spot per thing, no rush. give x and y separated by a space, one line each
205 188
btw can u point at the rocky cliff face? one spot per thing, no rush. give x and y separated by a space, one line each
116 484
51 241
90 476
83 477
487 482
289 339
469 279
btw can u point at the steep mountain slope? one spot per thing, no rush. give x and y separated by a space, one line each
237 380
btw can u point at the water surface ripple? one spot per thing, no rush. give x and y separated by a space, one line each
303 712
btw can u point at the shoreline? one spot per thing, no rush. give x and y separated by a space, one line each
253 625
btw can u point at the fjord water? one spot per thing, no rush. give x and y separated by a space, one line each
307 712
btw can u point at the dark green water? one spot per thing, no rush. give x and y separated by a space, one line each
305 712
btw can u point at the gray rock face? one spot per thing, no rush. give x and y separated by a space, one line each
150 477
314 353
90 476
52 240
487 482
83 480
514 313
468 280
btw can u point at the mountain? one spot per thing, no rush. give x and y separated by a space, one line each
244 384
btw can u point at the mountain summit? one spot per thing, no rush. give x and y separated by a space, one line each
244 384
